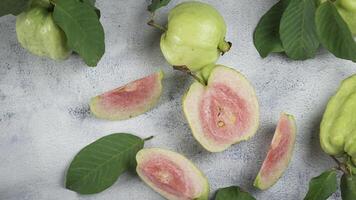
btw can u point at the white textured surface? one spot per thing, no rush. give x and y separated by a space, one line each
44 117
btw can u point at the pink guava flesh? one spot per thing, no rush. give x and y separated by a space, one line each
129 100
130 95
279 154
279 151
223 113
166 175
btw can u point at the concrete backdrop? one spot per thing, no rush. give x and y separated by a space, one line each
45 121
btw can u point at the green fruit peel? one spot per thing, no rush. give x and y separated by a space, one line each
338 129
37 32
195 36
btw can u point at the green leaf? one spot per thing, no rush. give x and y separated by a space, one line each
298 31
92 4
157 4
83 29
348 187
334 33
322 187
98 165
14 7
233 193
266 36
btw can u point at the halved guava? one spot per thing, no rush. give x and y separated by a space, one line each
130 100
171 175
224 112
279 154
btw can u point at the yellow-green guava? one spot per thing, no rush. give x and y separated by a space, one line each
37 32
338 126
195 36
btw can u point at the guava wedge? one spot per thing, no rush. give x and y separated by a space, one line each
130 100
279 154
171 175
223 112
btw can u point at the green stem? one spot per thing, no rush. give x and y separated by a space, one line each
153 24
185 69
149 138
341 166
224 47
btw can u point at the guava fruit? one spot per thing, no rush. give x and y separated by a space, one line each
224 112
338 126
130 100
195 36
37 32
279 154
347 10
171 175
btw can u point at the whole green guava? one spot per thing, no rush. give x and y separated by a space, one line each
37 32
347 10
195 36
338 126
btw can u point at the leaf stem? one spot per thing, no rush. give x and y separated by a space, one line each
155 25
148 138
185 69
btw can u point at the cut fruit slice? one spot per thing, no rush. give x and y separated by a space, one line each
279 154
224 112
171 175
135 98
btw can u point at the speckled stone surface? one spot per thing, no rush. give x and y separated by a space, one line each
45 121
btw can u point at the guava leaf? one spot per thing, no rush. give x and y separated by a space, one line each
92 3
157 4
98 165
14 7
333 32
298 31
323 186
348 187
266 36
83 29
233 193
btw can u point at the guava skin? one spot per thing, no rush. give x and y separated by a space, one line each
37 32
195 36
171 174
337 128
347 10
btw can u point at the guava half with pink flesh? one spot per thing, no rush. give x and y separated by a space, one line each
171 175
130 100
279 154
223 112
